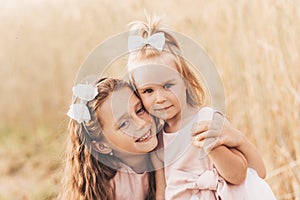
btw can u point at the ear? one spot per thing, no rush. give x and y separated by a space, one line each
101 147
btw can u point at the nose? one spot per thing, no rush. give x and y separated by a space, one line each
139 122
138 126
160 97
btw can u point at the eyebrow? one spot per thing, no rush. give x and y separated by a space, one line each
171 80
147 85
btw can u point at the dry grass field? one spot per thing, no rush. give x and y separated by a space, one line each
254 44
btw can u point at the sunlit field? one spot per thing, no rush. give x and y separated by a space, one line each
254 44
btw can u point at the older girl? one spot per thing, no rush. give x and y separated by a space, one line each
108 145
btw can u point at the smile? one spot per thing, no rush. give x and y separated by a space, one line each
163 109
145 137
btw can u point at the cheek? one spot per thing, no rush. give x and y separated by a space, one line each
174 94
147 118
180 93
147 102
122 142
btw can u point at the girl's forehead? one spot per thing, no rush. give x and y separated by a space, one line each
119 103
167 59
154 74
122 97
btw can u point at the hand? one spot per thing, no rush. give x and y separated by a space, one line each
223 133
216 132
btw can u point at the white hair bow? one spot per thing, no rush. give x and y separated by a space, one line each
156 40
80 111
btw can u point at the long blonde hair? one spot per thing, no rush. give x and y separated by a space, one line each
195 91
85 175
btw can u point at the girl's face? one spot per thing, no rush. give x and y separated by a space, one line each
160 87
125 123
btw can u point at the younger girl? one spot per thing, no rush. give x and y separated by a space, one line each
171 91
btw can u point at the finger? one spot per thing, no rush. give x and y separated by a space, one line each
209 144
200 124
213 133
201 136
198 137
198 144
200 127
206 145
207 134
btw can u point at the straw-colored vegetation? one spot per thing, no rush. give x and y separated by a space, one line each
254 44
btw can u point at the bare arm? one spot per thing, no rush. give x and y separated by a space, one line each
160 184
160 181
230 163
252 155
232 138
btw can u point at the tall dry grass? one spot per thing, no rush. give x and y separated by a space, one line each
254 44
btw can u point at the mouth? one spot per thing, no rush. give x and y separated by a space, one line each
145 137
163 109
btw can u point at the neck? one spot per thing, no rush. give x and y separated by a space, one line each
180 120
137 162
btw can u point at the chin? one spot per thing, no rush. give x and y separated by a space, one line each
151 146
155 145
161 116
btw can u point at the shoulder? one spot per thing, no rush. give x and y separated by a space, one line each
207 109
206 113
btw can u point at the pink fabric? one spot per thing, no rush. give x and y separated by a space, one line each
208 185
191 175
130 185
256 187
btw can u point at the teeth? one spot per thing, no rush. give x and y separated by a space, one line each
144 137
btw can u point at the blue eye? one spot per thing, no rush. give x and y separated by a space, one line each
124 124
168 85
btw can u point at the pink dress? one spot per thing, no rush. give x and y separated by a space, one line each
130 185
190 174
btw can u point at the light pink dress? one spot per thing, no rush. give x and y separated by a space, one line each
190 174
130 185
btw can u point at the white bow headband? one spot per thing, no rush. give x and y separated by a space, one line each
79 111
156 40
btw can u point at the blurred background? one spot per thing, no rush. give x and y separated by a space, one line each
254 44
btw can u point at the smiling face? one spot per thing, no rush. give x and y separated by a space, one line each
125 123
160 87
